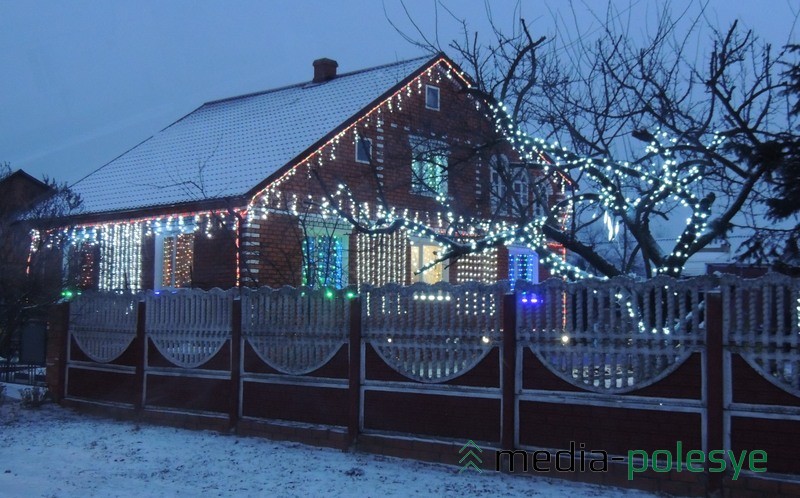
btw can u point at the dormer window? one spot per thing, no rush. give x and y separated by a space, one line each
363 150
431 97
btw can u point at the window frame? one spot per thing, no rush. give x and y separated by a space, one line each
359 148
429 153
343 237
438 93
158 259
501 203
419 245
514 253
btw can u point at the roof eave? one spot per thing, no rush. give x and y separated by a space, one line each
143 213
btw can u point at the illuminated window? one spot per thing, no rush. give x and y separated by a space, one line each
431 97
428 167
324 261
363 150
423 254
174 258
523 264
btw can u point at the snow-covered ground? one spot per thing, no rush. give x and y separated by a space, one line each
55 452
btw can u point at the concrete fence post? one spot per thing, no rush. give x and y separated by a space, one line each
714 384
236 363
57 351
509 369
354 372
140 349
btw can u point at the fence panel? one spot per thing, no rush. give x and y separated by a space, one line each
762 367
101 352
292 343
295 331
433 346
612 336
189 352
582 345
433 333
189 327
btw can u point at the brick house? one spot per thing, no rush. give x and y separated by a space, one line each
239 191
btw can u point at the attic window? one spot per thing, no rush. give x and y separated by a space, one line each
363 150
431 97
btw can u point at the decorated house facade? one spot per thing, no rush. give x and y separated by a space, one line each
276 188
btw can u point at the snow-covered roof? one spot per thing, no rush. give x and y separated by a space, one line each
227 147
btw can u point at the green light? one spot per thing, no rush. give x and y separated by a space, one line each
350 294
329 294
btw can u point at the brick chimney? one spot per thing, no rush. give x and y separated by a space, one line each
324 70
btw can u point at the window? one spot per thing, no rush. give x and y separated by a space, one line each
324 261
80 265
422 254
363 150
503 175
431 97
428 167
523 264
174 258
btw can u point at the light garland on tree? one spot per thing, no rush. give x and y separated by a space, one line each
666 182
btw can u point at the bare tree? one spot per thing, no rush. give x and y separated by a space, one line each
638 153
30 255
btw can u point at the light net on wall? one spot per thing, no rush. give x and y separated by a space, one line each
382 259
120 257
478 267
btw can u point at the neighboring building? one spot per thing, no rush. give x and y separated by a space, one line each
19 194
230 194
29 278
19 191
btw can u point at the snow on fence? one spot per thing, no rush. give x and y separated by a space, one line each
612 336
103 325
295 331
433 333
761 323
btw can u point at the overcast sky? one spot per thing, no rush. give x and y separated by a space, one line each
83 81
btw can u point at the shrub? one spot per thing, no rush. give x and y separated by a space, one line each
34 397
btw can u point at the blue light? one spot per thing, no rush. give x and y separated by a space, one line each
530 298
